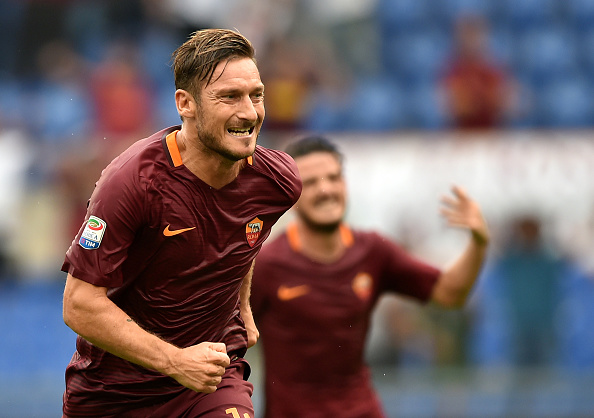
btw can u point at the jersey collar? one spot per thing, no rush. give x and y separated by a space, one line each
346 235
173 154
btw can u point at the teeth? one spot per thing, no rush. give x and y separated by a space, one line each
239 132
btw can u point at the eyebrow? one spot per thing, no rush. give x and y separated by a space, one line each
232 90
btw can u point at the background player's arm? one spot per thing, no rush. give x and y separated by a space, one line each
456 282
92 315
246 309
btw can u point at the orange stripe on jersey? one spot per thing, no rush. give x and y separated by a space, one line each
293 237
250 160
346 235
173 149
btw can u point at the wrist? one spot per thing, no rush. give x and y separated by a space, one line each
480 238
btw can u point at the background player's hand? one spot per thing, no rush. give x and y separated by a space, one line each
462 212
200 367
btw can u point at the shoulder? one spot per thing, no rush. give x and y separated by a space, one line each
280 168
275 253
274 249
138 164
376 243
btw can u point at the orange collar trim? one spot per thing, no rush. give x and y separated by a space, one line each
173 149
346 235
176 156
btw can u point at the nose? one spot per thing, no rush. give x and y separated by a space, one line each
325 186
247 110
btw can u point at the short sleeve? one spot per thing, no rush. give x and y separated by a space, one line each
403 273
118 205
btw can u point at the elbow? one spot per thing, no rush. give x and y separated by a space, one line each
68 312
450 300
458 303
72 312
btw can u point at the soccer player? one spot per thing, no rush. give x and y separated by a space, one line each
315 286
159 273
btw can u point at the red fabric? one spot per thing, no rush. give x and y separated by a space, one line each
183 287
313 336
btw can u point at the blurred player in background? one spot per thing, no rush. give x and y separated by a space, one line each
159 274
315 286
480 92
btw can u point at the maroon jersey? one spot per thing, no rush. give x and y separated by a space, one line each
173 252
314 318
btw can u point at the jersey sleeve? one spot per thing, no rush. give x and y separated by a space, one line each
281 167
403 273
118 205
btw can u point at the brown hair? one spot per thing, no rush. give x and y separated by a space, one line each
195 60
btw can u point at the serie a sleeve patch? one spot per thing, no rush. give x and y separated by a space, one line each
92 235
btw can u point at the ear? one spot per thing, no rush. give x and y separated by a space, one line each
185 103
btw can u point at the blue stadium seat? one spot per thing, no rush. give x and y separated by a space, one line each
12 102
580 13
545 53
448 11
35 338
417 55
63 113
377 104
396 16
566 103
502 44
523 14
585 45
426 110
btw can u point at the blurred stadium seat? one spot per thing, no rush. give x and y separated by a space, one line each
397 16
425 106
447 12
416 56
547 52
580 13
377 104
565 103
524 14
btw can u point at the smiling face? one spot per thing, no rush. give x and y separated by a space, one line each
230 109
323 200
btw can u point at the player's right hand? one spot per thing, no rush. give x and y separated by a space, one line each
200 367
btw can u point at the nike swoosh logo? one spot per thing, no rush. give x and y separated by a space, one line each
169 233
287 293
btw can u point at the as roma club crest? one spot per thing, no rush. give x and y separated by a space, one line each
363 286
252 231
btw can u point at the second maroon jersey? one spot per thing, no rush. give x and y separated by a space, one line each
173 252
313 320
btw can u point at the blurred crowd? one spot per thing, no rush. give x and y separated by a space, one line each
81 79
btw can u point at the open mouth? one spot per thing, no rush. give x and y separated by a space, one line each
240 131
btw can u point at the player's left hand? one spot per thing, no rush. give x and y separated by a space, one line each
461 211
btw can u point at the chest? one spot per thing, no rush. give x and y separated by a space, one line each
319 294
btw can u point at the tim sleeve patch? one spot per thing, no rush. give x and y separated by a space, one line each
92 235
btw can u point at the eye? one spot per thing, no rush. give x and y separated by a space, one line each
258 97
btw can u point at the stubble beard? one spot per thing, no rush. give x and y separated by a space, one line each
215 145
321 228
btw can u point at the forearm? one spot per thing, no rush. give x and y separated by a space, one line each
456 282
93 316
245 292
246 309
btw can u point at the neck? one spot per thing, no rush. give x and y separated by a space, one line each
321 246
208 166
